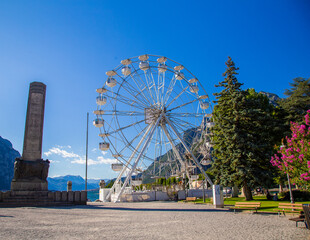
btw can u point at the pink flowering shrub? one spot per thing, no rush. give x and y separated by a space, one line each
294 154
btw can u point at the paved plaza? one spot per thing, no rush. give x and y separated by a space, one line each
146 220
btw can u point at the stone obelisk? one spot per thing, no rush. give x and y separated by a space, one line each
30 171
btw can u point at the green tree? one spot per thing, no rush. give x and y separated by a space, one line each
263 129
298 100
110 184
241 135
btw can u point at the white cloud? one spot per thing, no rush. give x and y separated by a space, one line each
61 152
76 158
106 160
94 150
100 160
104 152
53 161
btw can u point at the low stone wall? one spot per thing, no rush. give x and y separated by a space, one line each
143 196
199 193
74 197
42 198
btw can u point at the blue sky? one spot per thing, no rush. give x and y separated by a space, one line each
69 45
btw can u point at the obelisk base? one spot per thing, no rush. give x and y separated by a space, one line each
30 175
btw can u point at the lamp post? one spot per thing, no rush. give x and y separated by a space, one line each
86 156
289 182
206 162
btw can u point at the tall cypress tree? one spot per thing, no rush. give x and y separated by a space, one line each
242 135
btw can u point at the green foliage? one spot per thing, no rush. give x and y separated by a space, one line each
227 136
110 184
242 135
173 180
298 100
166 182
298 195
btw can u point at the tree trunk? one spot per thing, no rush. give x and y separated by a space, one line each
280 188
247 191
235 191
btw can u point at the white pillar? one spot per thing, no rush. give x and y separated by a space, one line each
218 200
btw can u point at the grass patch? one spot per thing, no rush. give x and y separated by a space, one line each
266 205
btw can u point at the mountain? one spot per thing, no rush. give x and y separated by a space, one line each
7 158
273 98
191 137
78 183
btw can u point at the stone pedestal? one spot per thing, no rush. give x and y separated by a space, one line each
30 175
69 186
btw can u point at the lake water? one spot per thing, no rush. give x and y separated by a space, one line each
93 195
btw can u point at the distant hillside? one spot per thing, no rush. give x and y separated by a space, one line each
7 158
78 183
191 137
273 98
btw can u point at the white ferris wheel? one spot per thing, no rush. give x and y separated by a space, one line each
149 107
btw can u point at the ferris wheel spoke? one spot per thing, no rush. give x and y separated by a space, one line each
183 105
182 122
123 128
151 83
136 94
156 90
132 91
173 100
129 101
123 113
182 126
125 100
191 115
161 86
169 90
129 143
141 91
142 82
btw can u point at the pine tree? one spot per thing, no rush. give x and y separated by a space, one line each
242 135
298 100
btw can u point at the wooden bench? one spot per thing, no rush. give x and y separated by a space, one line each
298 219
246 206
190 199
306 209
290 207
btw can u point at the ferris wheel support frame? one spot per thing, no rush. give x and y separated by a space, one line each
189 151
174 149
153 126
126 167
